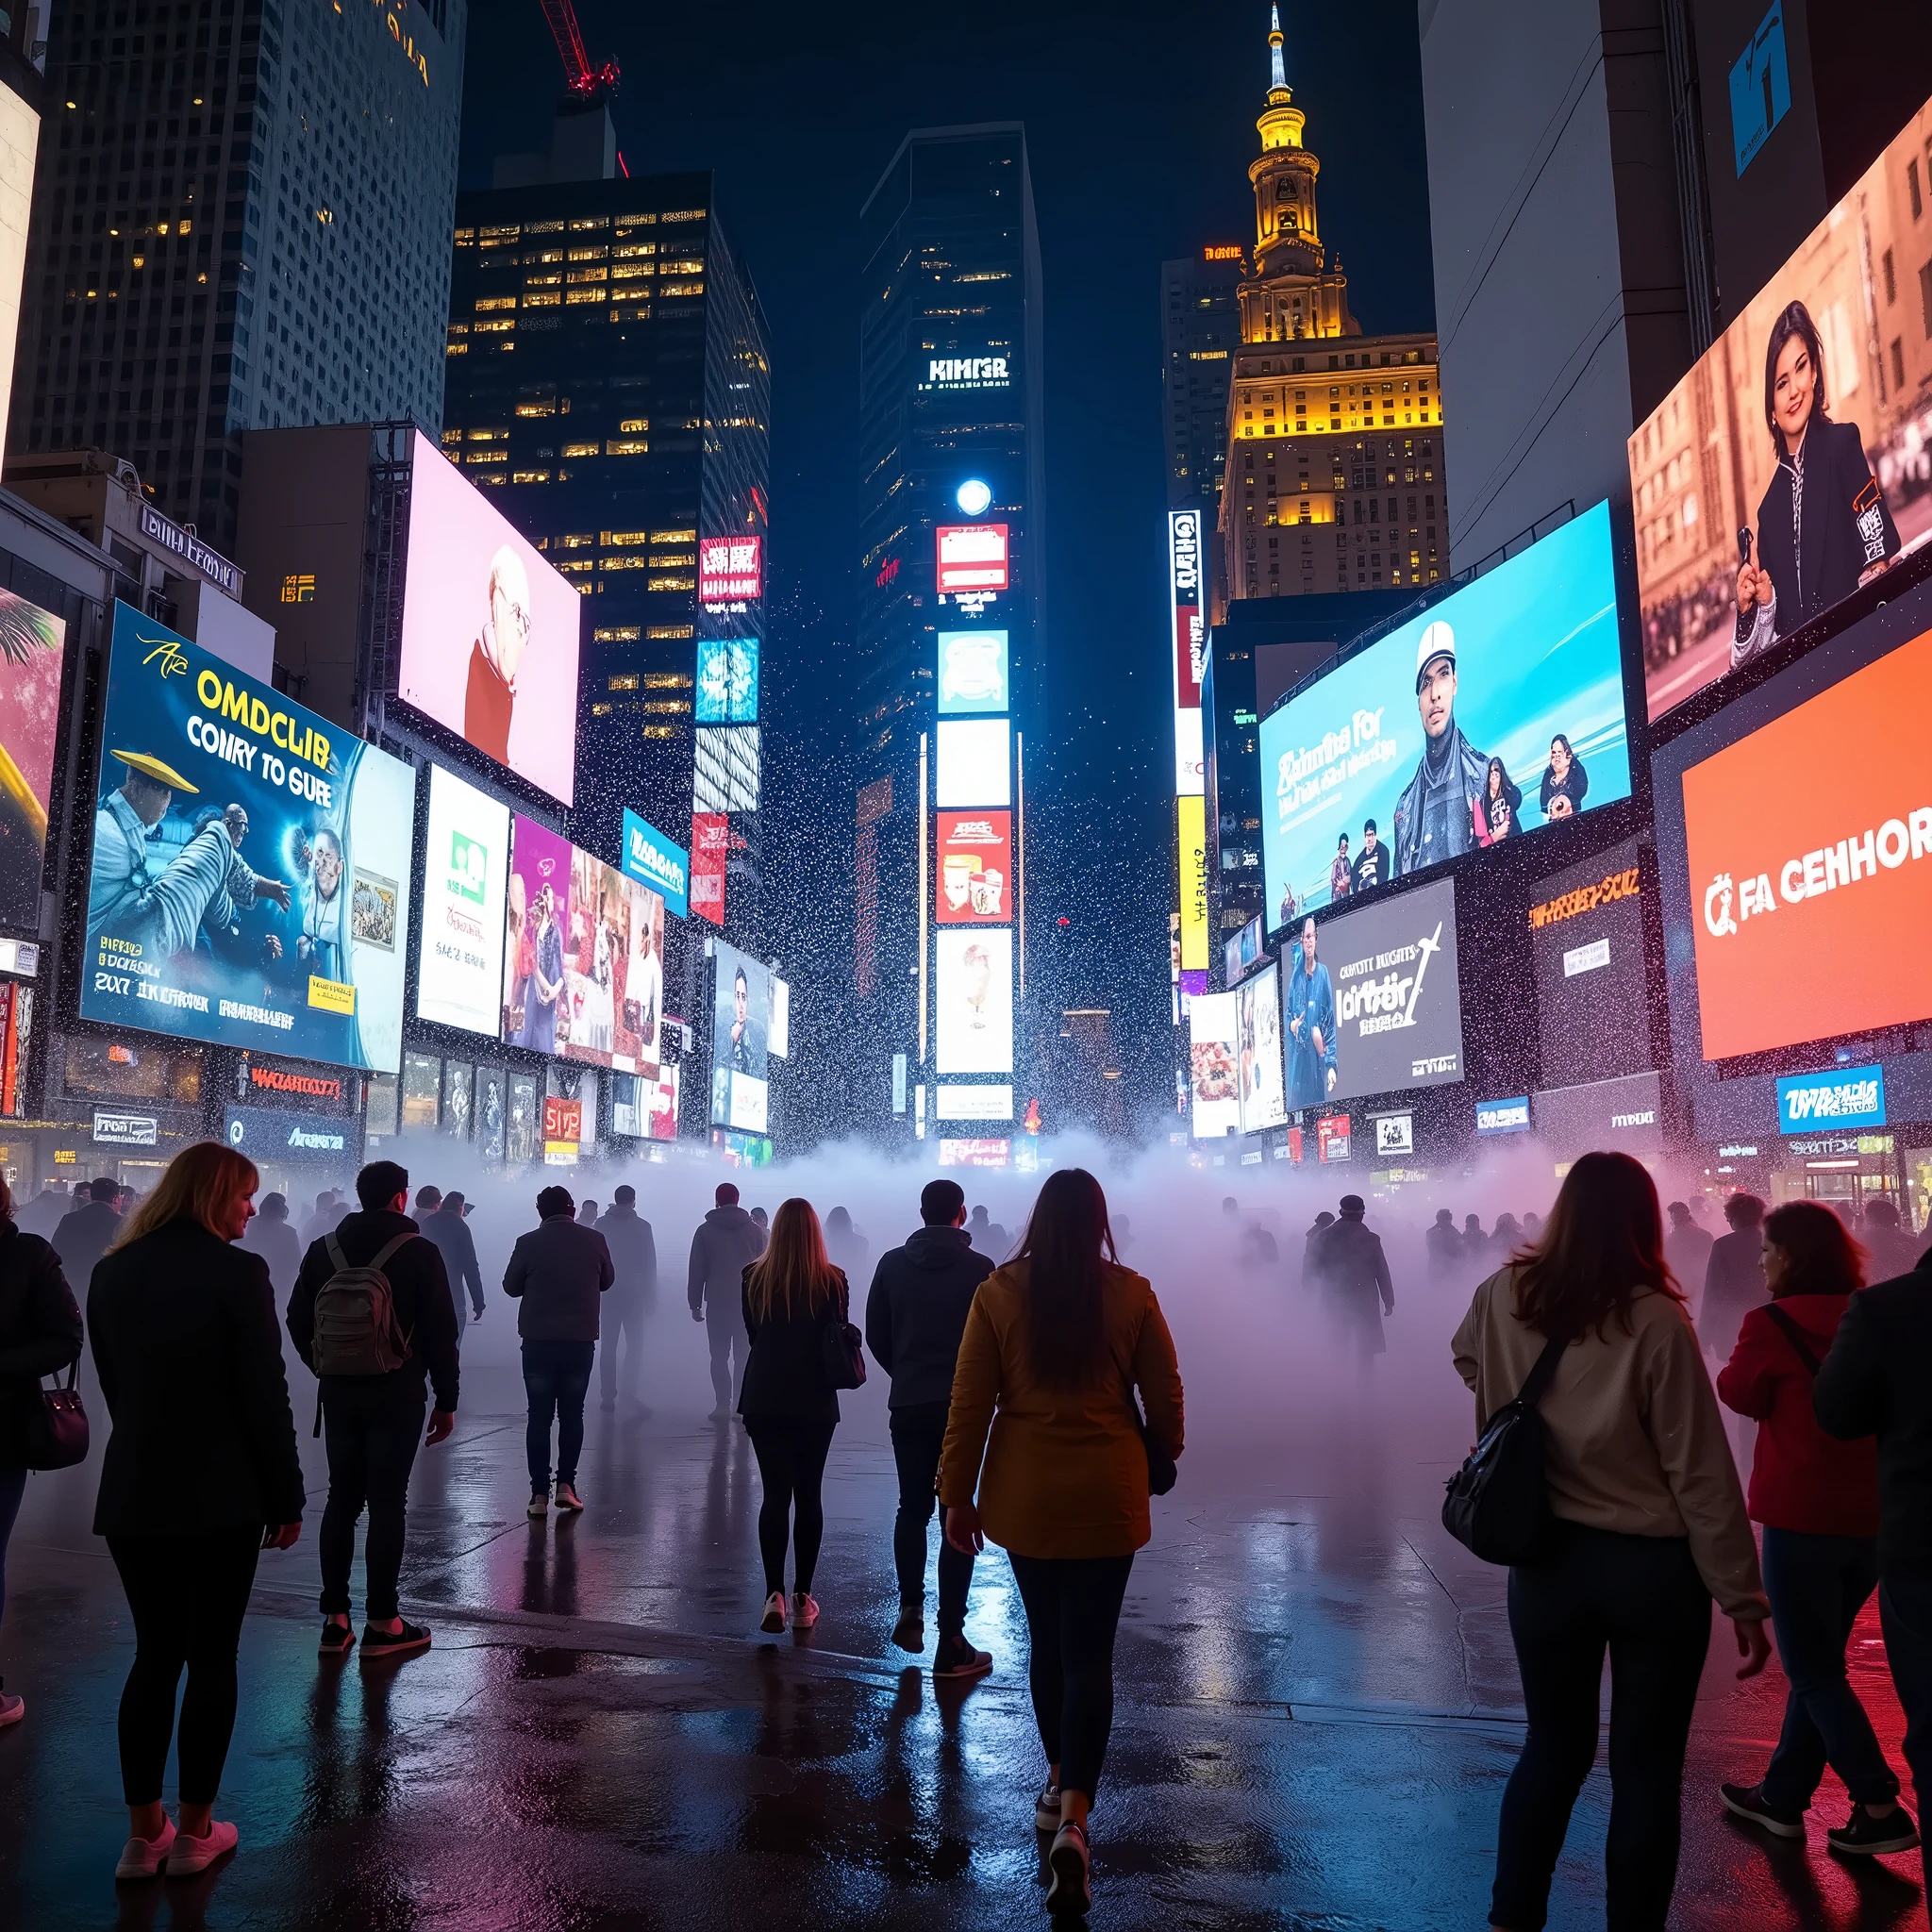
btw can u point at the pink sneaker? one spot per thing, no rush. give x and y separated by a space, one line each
193 1855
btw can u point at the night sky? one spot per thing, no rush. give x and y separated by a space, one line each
1139 125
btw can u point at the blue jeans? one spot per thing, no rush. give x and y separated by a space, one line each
557 1376
371 1432
1817 1585
1904 1610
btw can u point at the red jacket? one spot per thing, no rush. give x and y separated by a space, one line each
1800 1478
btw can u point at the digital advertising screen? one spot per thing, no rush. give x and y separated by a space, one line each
972 557
33 646
1371 1004
1498 711
974 1152
1592 983
1825 368
664 1105
975 1000
613 969
972 671
975 765
731 570
974 882
740 1023
727 681
710 841
778 1038
1188 648
465 878
250 877
1214 1103
536 918
989 1101
1258 1051
656 863
491 630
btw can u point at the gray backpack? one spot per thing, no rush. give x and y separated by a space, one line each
355 1327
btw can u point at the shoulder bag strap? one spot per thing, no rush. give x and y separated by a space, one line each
1537 1385
1795 1336
335 1252
387 1249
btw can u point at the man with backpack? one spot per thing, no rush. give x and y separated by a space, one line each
372 1317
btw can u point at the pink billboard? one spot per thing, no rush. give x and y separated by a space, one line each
489 630
535 996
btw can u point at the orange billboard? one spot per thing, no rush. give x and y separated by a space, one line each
1808 842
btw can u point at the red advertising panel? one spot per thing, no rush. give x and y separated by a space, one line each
563 1120
711 837
974 1152
1810 903
731 570
973 557
1332 1136
976 869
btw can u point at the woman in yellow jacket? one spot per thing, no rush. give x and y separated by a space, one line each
1057 1342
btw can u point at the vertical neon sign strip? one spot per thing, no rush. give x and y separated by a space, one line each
923 909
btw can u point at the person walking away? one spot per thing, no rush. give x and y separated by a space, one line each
1891 1251
321 1221
726 1243
1354 1277
915 1314
1311 1250
1476 1243
1648 1526
372 1318
1818 1501
440 1218
40 1335
86 1233
587 1214
632 1299
199 1476
559 1272
1733 1277
1687 1252
791 1293
981 1232
849 1249
46 1211
271 1237
1444 1245
1044 1426
1877 1381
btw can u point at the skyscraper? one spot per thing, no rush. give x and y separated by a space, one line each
239 221
1200 330
950 674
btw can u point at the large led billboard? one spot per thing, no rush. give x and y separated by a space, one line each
731 570
1592 983
727 681
654 861
975 1000
724 769
535 1012
972 557
1496 712
613 969
1215 1102
975 871
32 649
1822 376
251 871
1258 1051
1190 823
975 764
972 671
1372 1004
490 629
740 1021
1188 644
465 877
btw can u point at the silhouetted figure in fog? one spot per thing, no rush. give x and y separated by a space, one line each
1257 1248
1444 1245
849 1249
763 1220
440 1218
587 1214
1504 1238
1475 1241
323 1221
728 1241
1532 1227
85 1234
43 1213
1687 1249
270 1235
1356 1280
1311 1244
1734 1277
988 1236
1892 1251
633 1297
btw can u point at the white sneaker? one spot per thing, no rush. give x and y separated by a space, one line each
540 1505
193 1855
12 1708
805 1611
772 1621
142 1858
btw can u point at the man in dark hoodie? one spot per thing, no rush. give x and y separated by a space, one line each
633 1297
440 1218
371 1423
914 1318
82 1237
728 1241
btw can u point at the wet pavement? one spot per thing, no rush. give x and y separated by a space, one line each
1318 1705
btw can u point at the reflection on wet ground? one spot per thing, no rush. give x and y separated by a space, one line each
1317 1704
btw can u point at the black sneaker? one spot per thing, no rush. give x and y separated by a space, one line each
337 1639
908 1633
1866 1834
412 1637
1747 1801
956 1658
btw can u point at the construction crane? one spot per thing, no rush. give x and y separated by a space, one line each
587 84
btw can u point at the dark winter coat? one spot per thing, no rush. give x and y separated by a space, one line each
916 1311
1733 1286
1846 527
1354 1275
183 1329
784 1370
633 1253
39 1331
559 1272
451 1233
281 1246
728 1241
82 1239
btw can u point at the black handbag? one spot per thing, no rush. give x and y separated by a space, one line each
55 1424
842 1352
1161 1472
1497 1505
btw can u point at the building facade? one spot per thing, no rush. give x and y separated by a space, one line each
238 222
1200 330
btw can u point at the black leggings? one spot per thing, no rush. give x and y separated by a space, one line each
1073 1610
792 1464
189 1595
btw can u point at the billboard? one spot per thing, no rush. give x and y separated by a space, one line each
974 1152
207 775
975 1000
727 681
664 1105
731 570
1258 1051
1372 1003
1243 952
1214 1104
724 769
1826 369
1838 1098
536 918
1187 647
710 839
32 649
989 1102
1811 902
740 1023
266 1135
972 671
1191 823
972 557
1498 711
655 862
1502 1116
613 969
975 765
975 871
491 630
465 878
778 1036
1592 983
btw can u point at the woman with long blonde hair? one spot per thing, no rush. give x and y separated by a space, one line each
793 1294
200 1475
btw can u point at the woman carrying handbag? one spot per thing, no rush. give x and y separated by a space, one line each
40 1335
